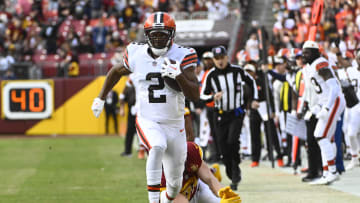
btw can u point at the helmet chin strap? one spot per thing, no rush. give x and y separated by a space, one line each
159 52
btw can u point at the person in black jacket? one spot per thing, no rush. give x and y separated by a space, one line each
128 95
256 119
224 84
110 110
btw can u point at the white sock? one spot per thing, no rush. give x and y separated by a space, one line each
153 173
329 152
354 148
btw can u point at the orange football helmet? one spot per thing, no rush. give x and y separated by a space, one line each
159 30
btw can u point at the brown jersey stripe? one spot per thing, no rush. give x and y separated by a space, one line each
190 56
142 135
192 61
331 162
169 198
127 64
189 59
321 65
126 58
331 118
153 188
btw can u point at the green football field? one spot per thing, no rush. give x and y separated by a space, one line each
69 170
90 169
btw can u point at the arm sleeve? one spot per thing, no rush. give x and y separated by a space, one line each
277 76
252 83
334 91
206 90
306 94
276 92
126 58
189 60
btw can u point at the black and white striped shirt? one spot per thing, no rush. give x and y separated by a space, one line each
230 81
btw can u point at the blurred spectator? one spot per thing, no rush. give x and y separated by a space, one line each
130 16
72 39
99 36
15 33
119 5
217 10
343 16
5 61
252 47
73 69
164 5
2 4
254 28
50 32
64 8
115 41
23 7
96 8
86 45
9 75
108 5
64 63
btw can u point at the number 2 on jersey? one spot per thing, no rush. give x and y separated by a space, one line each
152 88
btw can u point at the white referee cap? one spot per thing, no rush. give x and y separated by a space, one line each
311 45
250 67
208 54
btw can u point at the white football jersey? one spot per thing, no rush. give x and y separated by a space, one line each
156 100
317 82
354 75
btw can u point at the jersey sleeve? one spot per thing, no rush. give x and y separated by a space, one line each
321 65
206 89
194 157
128 57
190 59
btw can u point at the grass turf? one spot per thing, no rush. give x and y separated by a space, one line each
80 169
90 169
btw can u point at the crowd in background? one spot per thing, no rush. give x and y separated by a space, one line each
61 30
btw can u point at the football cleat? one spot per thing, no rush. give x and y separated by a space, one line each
254 164
280 162
332 177
319 181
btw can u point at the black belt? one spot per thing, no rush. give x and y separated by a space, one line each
220 111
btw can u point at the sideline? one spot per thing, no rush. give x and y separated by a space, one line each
280 185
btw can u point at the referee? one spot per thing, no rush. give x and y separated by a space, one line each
224 84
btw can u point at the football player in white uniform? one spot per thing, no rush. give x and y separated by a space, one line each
352 128
331 104
160 117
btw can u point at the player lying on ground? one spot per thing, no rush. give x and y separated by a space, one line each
200 185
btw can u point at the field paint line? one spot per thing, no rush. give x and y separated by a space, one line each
259 183
348 183
18 177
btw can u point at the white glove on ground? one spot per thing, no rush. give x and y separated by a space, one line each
97 106
324 113
170 70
